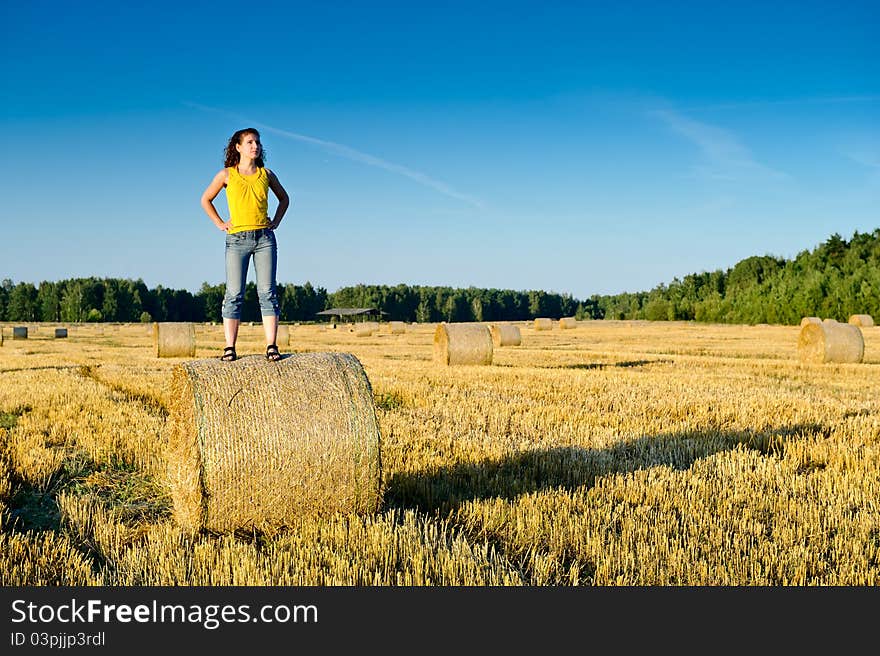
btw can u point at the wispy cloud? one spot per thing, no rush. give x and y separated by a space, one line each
865 157
821 100
352 154
726 158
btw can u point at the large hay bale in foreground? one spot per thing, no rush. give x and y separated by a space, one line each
505 334
462 343
543 323
831 341
174 339
567 323
863 320
19 332
397 327
806 320
282 337
60 333
255 444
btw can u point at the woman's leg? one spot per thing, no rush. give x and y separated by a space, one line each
270 328
265 266
230 330
238 252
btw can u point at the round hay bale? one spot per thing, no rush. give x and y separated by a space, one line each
362 329
282 338
566 323
60 333
807 320
174 339
255 444
505 334
19 332
830 342
397 327
863 320
543 323
462 343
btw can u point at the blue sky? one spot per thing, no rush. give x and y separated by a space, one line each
576 147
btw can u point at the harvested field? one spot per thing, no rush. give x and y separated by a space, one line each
620 453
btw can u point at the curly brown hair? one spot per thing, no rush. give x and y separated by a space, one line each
231 156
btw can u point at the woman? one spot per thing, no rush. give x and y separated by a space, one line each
249 233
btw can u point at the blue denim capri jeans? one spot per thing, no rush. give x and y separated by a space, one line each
240 247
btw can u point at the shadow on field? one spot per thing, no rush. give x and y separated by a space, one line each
571 468
606 365
592 365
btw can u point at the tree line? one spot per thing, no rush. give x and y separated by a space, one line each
114 300
836 279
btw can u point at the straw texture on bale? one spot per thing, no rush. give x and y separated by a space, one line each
397 327
863 320
826 321
566 323
505 334
543 323
257 444
174 339
282 338
807 320
462 343
60 332
830 342
19 332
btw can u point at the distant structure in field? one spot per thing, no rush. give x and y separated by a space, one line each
351 315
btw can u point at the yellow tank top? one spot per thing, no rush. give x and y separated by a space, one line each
248 199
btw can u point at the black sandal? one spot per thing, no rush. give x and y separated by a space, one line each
272 353
229 354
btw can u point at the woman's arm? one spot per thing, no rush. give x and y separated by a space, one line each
208 197
281 195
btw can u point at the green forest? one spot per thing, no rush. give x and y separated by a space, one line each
836 279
